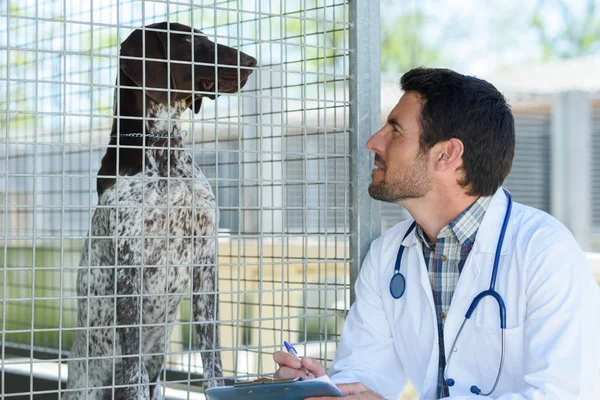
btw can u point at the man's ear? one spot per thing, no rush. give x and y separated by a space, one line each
449 154
196 104
156 72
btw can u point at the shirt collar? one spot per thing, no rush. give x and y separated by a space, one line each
464 227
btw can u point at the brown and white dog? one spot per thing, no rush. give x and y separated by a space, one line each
153 231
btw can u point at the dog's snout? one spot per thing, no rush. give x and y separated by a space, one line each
247 61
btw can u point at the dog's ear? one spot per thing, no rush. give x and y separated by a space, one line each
196 104
156 72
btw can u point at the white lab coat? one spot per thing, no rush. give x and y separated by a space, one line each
552 316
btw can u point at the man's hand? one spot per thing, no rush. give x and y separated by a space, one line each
353 391
290 366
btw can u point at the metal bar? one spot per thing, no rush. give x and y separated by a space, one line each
365 218
276 154
6 213
261 16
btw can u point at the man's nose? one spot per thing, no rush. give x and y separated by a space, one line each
374 142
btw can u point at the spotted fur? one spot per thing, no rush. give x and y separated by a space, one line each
153 232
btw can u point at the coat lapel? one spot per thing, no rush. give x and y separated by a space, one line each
476 274
417 308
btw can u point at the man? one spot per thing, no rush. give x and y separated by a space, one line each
444 152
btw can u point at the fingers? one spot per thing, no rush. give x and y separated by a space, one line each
322 398
313 366
351 397
289 373
353 388
289 366
357 391
285 359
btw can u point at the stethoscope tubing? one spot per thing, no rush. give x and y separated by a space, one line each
398 286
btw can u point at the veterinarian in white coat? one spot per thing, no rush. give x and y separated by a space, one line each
552 308
542 283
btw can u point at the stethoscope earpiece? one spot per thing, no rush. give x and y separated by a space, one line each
475 390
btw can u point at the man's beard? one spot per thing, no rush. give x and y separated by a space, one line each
413 184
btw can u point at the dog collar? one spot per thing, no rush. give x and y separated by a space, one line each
180 135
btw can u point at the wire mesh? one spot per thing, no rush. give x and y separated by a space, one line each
276 154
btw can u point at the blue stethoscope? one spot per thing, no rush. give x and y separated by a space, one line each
398 285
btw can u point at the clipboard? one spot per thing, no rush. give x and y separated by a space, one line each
270 389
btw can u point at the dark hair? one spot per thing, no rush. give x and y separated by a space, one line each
469 109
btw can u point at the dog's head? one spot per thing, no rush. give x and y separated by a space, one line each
184 58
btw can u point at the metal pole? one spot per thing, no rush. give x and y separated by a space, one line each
365 83
571 161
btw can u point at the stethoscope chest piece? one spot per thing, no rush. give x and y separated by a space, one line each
398 282
397 285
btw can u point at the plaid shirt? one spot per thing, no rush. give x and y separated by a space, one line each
445 259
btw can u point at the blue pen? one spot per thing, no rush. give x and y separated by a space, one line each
290 349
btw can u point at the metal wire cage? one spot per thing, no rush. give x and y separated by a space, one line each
278 155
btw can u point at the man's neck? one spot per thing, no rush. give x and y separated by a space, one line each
437 209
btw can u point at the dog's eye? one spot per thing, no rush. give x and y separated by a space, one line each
195 39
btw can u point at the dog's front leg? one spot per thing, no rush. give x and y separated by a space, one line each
129 285
206 315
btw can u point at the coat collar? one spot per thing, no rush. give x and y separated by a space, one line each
488 234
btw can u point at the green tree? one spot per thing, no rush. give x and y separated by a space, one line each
403 46
22 59
576 36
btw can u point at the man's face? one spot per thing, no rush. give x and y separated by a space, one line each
401 168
